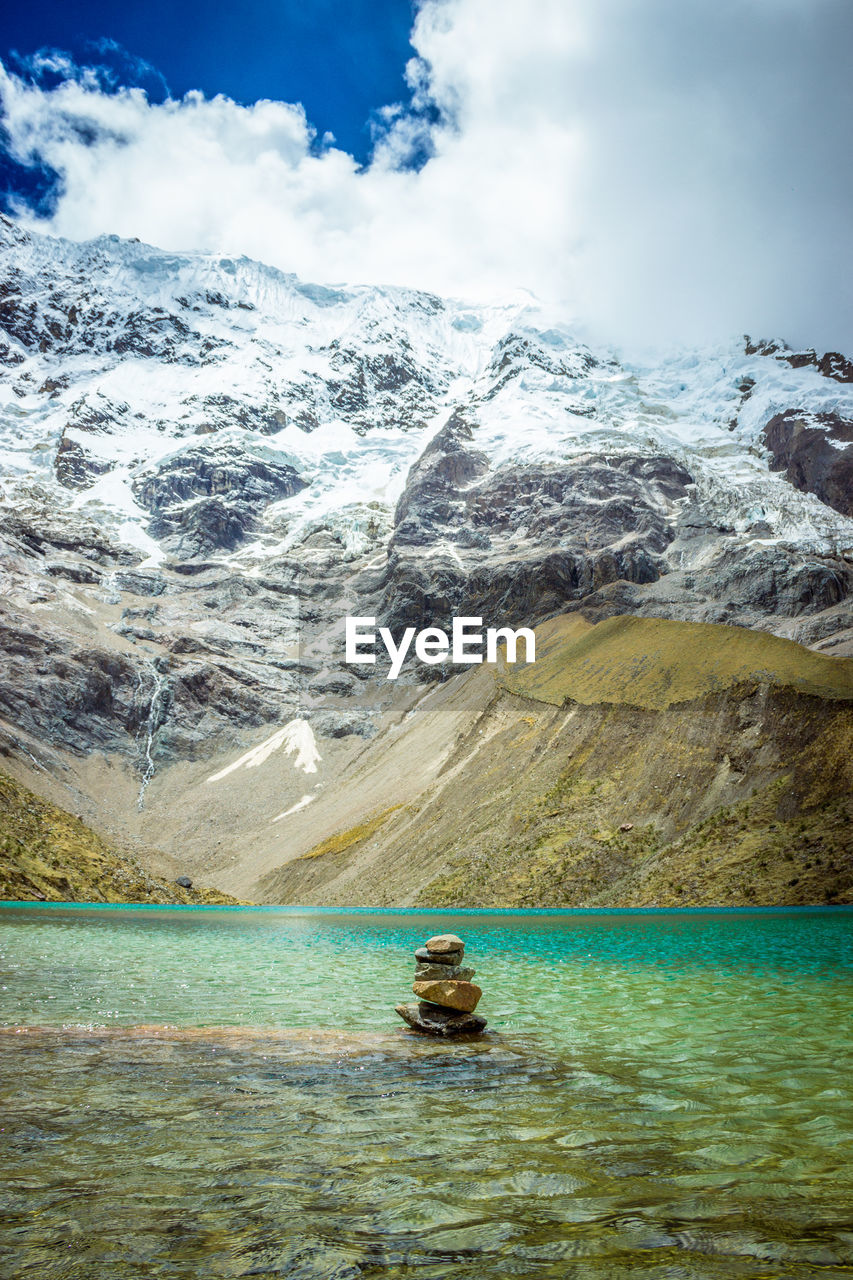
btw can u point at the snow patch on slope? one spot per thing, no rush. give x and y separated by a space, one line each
296 737
294 808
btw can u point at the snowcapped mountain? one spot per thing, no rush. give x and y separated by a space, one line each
142 385
207 464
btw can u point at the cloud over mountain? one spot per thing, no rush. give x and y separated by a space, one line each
660 170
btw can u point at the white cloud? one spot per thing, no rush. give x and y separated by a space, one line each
661 169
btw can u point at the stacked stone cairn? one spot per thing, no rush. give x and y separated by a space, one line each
447 996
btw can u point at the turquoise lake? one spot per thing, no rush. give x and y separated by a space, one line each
227 1092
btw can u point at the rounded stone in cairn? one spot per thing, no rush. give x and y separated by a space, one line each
462 996
425 972
439 957
443 942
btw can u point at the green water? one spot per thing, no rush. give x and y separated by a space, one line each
227 1092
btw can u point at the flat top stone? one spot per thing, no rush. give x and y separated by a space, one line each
444 942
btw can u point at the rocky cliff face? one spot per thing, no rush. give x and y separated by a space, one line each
208 464
815 453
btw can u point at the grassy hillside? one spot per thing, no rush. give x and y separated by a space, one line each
638 763
652 662
738 798
48 855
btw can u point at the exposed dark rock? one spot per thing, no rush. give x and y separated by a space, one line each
205 526
340 683
816 453
474 539
75 468
208 498
762 346
537 536
44 529
595 503
9 356
208 471
18 317
154 332
433 497
799 359
85 697
70 319
381 387
73 571
517 352
772 580
140 582
343 724
193 568
832 364
226 410
184 881
81 699
96 414
741 584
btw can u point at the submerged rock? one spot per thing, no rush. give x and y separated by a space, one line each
434 1021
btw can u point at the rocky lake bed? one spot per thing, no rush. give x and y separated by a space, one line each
203 1089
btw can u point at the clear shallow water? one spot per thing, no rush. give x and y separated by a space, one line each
666 1094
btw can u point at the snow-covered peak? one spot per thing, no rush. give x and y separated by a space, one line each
120 358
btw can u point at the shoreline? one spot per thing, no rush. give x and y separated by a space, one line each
321 1040
296 909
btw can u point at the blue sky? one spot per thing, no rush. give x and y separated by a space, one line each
342 59
658 170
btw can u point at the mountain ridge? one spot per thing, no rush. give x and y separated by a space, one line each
209 464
